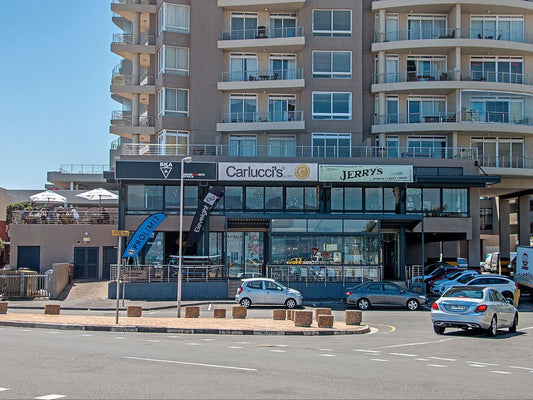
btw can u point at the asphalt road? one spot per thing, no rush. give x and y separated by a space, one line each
402 358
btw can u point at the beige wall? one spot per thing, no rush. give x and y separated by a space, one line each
60 279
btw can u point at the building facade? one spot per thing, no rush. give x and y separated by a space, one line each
345 133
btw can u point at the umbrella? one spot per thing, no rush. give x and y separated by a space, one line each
49 197
98 194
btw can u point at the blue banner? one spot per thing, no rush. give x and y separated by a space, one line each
142 234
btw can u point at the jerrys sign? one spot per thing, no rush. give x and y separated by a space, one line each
267 172
366 173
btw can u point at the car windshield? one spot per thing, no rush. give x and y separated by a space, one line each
283 286
452 275
461 292
465 279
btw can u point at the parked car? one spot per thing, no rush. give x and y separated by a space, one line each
505 285
296 260
473 307
369 294
440 273
462 262
456 278
267 291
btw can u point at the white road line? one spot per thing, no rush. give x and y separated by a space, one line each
152 312
403 354
191 363
3 389
50 397
278 351
502 372
53 333
325 349
283 345
482 363
526 368
172 336
193 344
86 335
235 347
422 359
209 308
153 340
24 330
242 342
477 365
326 355
379 359
443 359
119 338
525 329
437 365
368 351
208 340
415 344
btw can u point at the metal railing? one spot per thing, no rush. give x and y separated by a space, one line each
488 117
452 75
44 216
128 38
83 168
324 274
279 116
452 33
262 32
129 79
469 153
124 118
25 285
150 2
506 161
168 273
262 75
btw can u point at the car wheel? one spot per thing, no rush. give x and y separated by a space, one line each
246 302
363 304
512 328
413 304
439 330
493 329
290 303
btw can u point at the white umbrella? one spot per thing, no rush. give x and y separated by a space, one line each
49 197
98 194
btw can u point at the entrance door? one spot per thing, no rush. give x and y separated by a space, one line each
86 262
389 255
110 257
29 257
245 254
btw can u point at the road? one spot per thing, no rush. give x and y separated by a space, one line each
402 358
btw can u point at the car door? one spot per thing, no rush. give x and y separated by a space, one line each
255 291
274 294
374 293
506 310
393 295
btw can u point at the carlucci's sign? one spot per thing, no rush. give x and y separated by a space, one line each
267 172
366 173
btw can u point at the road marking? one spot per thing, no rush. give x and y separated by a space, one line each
477 365
403 354
3 389
392 328
172 337
119 338
278 351
525 329
437 365
242 342
326 355
379 359
527 369
502 372
193 344
415 344
443 359
24 330
482 363
422 359
208 340
191 363
153 340
53 332
86 335
325 349
152 312
235 347
368 351
50 397
209 307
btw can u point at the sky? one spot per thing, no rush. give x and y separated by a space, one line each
56 71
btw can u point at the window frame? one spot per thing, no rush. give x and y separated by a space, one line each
333 32
332 115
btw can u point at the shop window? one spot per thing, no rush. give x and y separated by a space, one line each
455 202
172 197
413 200
273 198
144 198
233 198
374 199
255 198
431 201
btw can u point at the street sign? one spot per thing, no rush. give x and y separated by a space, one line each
120 233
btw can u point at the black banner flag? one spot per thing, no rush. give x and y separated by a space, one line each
208 203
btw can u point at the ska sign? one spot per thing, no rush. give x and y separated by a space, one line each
267 171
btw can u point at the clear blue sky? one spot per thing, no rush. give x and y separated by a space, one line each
56 71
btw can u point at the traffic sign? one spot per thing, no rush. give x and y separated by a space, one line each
120 233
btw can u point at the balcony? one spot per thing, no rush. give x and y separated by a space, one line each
446 6
122 123
126 85
128 9
85 216
125 46
261 5
476 121
284 80
493 161
263 38
262 121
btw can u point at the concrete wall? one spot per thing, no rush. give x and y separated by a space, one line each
60 279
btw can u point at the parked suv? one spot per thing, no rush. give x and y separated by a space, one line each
502 284
267 291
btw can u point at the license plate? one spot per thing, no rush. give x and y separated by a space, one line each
457 307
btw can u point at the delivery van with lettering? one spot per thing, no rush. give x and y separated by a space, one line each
523 274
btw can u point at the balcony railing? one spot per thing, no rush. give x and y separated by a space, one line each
150 2
83 168
262 32
295 151
452 75
129 79
465 116
281 116
452 33
506 161
45 216
124 118
127 38
262 75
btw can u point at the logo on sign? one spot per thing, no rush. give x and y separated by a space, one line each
166 168
210 199
302 171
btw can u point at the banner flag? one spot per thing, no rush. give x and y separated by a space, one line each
209 202
142 234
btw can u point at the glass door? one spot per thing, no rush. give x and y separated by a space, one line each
245 254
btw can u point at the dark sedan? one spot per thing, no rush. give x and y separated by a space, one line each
370 294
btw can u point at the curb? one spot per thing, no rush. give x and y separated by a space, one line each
74 308
147 329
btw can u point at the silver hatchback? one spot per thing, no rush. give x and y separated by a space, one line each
267 291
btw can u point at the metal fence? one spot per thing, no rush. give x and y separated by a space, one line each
325 274
25 285
168 273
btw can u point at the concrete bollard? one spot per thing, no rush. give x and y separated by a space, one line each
3 307
322 311
52 309
325 321
192 312
303 318
353 317
134 311
279 314
290 315
219 313
238 312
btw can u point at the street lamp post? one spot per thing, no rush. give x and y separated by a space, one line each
180 245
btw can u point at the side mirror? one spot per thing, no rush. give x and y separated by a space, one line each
280 289
402 291
509 301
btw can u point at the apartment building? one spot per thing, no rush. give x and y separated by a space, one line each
348 133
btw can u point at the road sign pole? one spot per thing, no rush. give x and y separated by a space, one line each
118 274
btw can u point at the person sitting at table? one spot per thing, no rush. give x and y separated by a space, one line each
105 216
75 215
25 214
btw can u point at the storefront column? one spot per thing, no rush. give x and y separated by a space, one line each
381 67
474 256
401 256
524 220
382 25
503 218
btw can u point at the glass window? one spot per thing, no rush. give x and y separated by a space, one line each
353 199
173 60
233 196
454 201
273 198
174 18
282 25
243 67
311 198
332 144
282 146
255 284
144 197
255 197
172 197
332 64
173 142
281 107
374 199
389 199
332 105
242 145
431 200
426 26
324 225
243 108
289 225
363 225
337 199
336 23
244 26
413 199
173 102
294 198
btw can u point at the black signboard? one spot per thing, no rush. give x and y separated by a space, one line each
165 171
